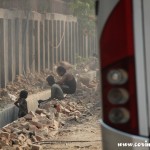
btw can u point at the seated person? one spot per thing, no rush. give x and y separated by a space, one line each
21 103
56 91
68 82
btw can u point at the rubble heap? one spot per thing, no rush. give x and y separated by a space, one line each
36 82
40 125
49 118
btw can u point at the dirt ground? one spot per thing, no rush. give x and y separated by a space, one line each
82 134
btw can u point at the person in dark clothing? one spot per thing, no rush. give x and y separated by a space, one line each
68 82
21 103
56 91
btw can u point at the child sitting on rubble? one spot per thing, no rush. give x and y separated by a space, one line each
68 82
56 91
21 103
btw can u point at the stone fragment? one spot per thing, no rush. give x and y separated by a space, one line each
39 111
39 138
28 117
4 140
22 138
32 113
16 131
17 147
75 113
65 111
6 129
37 124
36 147
33 128
44 131
29 142
54 124
25 125
5 134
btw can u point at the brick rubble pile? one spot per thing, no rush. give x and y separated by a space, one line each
46 121
41 125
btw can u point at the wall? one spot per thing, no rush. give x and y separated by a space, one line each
32 42
41 6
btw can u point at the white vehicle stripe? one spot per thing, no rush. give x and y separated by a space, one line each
140 67
146 23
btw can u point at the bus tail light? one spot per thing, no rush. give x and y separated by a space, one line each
118 70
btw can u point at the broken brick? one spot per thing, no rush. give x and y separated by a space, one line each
39 138
16 131
44 131
18 148
33 128
54 124
36 147
32 113
75 113
15 142
33 138
65 111
6 129
28 117
4 140
39 111
28 141
22 138
37 124
5 134
25 125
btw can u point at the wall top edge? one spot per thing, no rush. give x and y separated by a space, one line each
32 15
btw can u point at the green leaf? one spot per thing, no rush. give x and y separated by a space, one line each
83 9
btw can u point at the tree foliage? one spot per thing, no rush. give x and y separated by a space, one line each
84 10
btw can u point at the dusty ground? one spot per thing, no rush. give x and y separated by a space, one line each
82 134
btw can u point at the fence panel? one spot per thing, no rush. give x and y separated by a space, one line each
33 42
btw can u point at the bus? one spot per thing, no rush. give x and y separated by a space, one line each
124 52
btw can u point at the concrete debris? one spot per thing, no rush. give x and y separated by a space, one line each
41 124
50 117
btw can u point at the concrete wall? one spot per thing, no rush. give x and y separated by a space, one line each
41 6
32 42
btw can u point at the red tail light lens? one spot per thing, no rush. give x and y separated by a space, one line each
118 96
119 76
119 115
118 70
